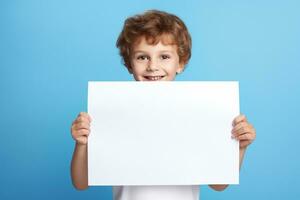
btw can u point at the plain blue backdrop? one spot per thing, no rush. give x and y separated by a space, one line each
49 50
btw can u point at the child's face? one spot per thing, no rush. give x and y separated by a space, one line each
154 62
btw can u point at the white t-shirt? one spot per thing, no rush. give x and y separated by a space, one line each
176 192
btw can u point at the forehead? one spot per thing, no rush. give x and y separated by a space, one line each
162 43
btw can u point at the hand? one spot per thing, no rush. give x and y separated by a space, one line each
81 128
243 131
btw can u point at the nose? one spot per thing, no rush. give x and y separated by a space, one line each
153 65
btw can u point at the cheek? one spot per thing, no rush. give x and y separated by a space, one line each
171 67
138 69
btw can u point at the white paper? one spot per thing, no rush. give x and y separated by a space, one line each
163 133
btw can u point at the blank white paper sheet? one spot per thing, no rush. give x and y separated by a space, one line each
162 133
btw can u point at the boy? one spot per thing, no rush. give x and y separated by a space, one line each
155 46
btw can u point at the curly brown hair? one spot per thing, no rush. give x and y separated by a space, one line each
154 25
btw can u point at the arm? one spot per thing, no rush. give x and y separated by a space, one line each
79 171
243 132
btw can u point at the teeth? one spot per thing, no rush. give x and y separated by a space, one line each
154 78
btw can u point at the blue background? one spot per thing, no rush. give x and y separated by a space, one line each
49 50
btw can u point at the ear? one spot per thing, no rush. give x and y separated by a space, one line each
180 68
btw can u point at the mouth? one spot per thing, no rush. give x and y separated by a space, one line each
153 78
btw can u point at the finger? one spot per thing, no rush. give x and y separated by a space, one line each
82 132
239 126
236 135
238 119
84 114
81 125
242 130
82 119
246 136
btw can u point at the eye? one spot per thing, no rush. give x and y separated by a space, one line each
142 57
165 56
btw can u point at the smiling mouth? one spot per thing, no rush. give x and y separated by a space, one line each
153 78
